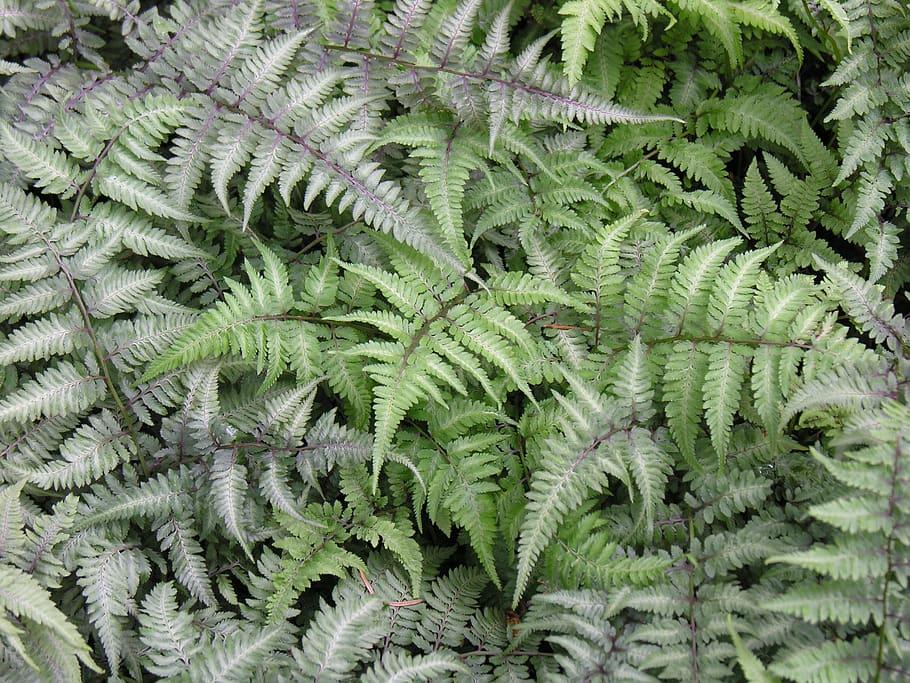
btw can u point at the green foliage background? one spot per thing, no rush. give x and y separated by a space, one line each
454 340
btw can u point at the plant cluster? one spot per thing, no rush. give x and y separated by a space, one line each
471 340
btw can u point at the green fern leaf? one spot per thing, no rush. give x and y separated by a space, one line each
50 169
240 654
168 633
340 636
22 596
583 23
402 667
59 390
723 381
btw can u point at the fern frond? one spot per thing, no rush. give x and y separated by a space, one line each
835 660
405 667
450 602
864 303
12 524
340 636
53 335
723 382
95 449
161 615
578 463
583 23
249 322
59 390
24 598
110 577
240 654
49 168
178 539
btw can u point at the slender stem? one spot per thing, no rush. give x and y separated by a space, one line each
628 170
827 38
892 503
508 653
725 340
481 76
319 238
98 350
693 600
100 355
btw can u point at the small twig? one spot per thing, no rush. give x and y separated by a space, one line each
631 168
366 582
554 326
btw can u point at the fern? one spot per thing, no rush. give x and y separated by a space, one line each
858 564
240 325
32 608
435 334
598 443
160 614
466 340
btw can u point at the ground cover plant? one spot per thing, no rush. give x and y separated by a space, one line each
454 340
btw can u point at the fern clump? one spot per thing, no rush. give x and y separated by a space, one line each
461 340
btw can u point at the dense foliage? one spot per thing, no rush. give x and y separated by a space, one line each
460 340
